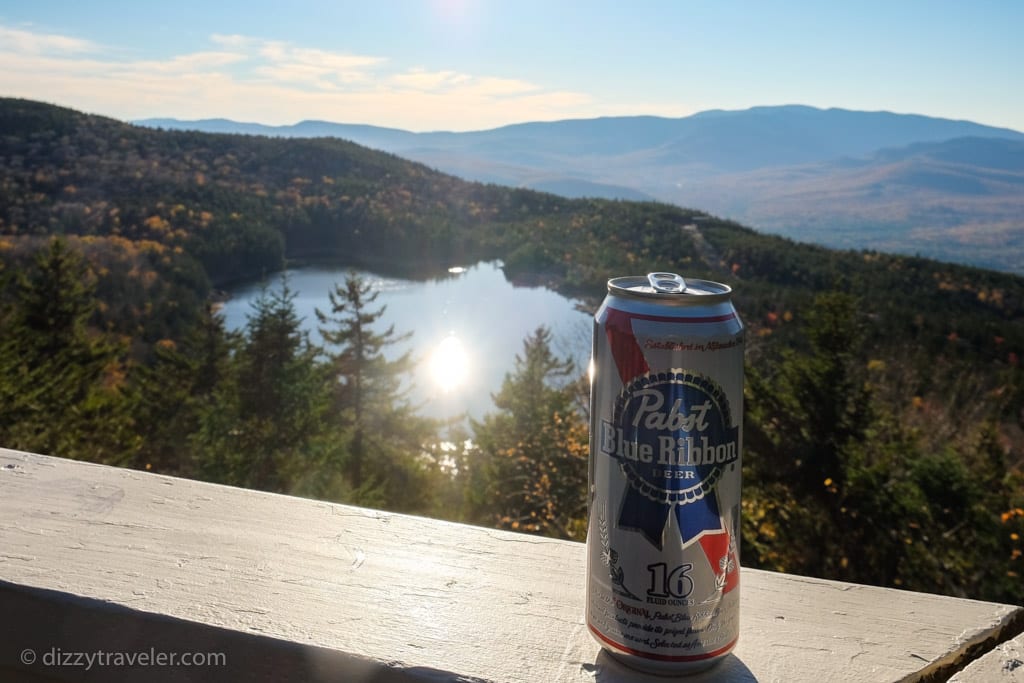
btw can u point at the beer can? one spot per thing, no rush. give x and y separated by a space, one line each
664 500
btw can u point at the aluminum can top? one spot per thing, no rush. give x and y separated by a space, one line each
669 289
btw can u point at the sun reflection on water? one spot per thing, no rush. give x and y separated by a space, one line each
449 364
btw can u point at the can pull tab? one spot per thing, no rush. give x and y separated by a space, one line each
669 283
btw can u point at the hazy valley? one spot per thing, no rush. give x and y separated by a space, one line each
952 190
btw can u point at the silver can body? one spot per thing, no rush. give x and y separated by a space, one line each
665 462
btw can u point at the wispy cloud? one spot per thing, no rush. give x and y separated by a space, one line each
321 69
233 40
195 62
29 42
270 81
456 83
420 79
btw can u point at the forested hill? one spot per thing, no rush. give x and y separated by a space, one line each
240 205
884 392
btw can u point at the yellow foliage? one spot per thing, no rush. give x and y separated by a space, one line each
157 224
113 376
150 246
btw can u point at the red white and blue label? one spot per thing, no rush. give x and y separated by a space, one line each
666 445
672 435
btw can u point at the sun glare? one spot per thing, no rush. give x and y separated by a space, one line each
449 364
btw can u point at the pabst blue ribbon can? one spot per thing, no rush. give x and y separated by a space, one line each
665 444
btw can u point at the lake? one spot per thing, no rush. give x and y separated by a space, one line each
467 327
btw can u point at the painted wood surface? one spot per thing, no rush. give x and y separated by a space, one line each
94 558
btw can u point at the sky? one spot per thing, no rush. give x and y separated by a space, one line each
461 65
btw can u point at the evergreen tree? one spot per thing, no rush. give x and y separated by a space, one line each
183 383
816 404
838 488
529 470
62 383
370 403
807 416
262 429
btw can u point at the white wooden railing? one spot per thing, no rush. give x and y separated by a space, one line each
109 574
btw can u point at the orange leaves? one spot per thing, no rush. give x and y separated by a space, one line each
775 319
1011 514
1015 536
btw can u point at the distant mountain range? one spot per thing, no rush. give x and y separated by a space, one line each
946 189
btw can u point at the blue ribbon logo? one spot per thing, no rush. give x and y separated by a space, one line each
672 435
